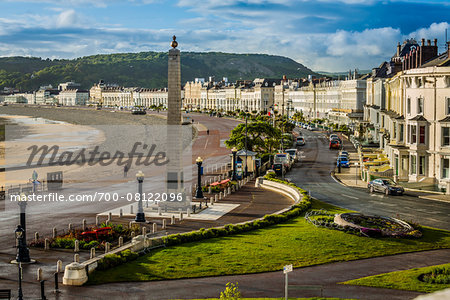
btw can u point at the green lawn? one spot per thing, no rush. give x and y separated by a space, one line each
401 280
294 242
314 298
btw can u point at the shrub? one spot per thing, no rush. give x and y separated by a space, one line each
113 260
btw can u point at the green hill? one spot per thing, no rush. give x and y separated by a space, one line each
144 69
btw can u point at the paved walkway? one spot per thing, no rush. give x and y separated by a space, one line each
270 284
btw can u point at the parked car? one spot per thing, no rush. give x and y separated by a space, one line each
335 144
386 186
343 161
293 154
300 141
284 159
138 111
344 153
334 136
278 168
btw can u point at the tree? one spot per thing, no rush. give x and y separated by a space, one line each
286 126
257 133
231 292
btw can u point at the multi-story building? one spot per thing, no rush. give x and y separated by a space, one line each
341 101
413 116
72 97
46 95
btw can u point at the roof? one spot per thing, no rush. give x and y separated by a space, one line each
418 118
249 153
446 119
442 60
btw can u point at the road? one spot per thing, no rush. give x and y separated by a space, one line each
313 174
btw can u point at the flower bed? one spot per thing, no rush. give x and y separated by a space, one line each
86 242
359 224
377 225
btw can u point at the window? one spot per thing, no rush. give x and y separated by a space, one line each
413 134
401 132
413 164
446 168
422 134
421 165
420 105
445 136
447 105
408 105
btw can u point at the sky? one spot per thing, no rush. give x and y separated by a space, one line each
325 35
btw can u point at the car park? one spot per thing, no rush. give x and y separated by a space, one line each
343 161
385 186
300 141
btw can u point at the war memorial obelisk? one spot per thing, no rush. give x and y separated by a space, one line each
174 180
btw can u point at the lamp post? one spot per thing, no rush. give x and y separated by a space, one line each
199 192
140 216
23 254
234 151
246 169
356 173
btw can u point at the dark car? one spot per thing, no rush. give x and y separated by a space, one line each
386 186
278 168
138 111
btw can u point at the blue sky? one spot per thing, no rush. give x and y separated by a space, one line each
327 35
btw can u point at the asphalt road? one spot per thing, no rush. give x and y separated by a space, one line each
313 174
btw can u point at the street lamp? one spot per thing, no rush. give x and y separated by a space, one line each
246 169
199 192
20 233
140 216
234 151
23 254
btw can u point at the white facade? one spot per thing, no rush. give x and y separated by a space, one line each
73 97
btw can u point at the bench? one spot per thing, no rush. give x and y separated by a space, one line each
5 294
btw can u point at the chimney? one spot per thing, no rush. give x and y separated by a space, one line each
435 42
399 47
428 42
423 42
284 78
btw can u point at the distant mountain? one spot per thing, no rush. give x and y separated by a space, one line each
144 69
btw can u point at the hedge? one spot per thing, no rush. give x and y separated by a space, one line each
268 220
113 260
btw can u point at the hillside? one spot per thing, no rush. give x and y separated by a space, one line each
144 69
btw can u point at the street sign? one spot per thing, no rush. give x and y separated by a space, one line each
287 269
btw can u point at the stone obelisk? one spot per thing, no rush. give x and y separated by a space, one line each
174 85
174 130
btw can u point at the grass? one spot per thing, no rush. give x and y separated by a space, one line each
314 298
401 280
294 242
